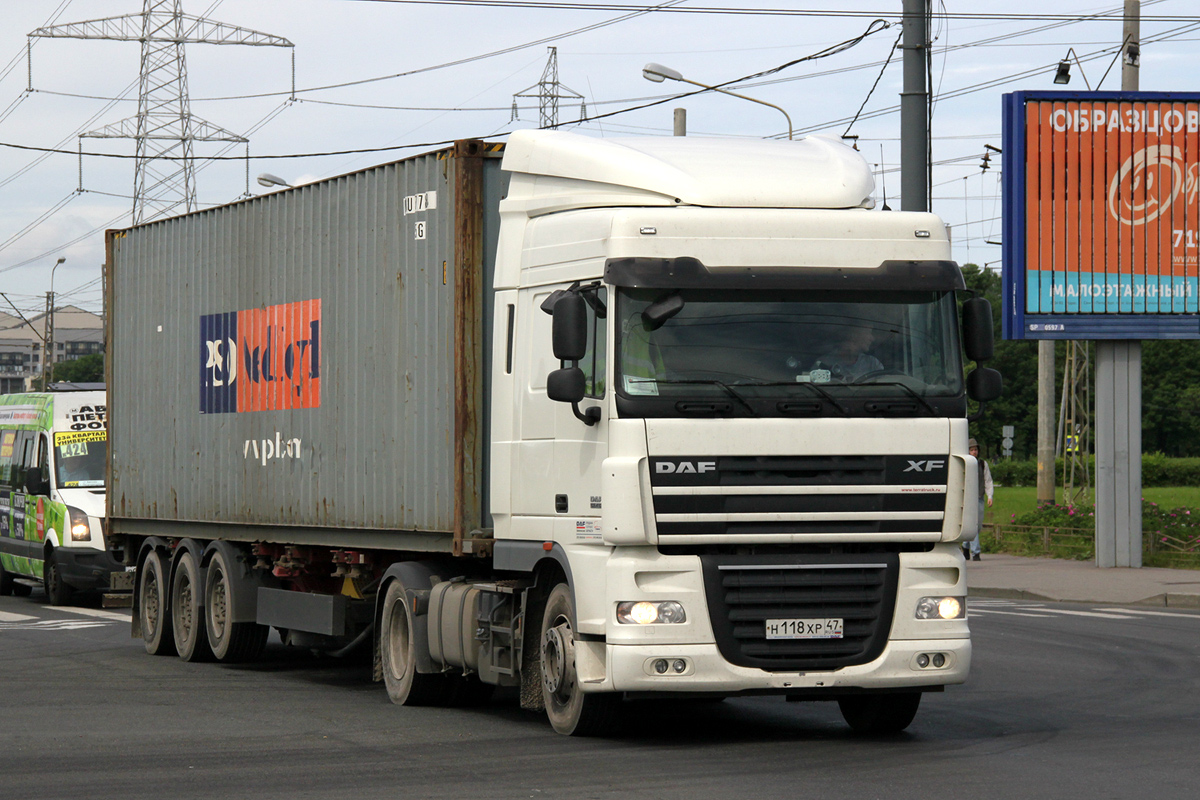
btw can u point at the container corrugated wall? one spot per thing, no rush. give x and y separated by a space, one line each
290 361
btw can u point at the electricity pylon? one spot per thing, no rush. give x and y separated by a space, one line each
164 129
548 92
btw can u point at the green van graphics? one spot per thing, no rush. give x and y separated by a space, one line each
52 458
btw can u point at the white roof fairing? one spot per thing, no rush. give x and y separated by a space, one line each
814 172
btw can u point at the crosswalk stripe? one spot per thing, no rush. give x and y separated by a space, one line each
975 611
99 613
8 616
1150 613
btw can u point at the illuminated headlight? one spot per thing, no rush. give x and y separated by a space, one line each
80 530
666 612
942 608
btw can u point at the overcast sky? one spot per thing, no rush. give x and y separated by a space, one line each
75 83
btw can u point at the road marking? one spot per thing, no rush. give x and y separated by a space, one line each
55 625
8 616
1096 614
99 613
1151 613
981 612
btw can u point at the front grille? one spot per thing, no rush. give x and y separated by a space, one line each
743 592
786 496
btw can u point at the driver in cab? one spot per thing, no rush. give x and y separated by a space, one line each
849 360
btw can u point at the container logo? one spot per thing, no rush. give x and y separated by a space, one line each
261 359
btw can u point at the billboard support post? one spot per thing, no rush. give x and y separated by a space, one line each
1119 401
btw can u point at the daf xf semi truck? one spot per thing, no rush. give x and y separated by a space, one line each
596 419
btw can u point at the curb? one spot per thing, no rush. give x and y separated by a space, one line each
1169 600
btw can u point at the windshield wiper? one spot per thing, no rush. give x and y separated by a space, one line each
932 411
824 394
729 390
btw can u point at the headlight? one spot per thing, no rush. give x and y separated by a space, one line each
80 530
942 608
644 612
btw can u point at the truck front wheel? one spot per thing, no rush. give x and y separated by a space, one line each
571 712
880 714
397 649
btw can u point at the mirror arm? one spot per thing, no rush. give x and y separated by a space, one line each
589 416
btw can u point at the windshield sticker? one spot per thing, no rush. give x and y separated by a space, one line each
74 437
644 387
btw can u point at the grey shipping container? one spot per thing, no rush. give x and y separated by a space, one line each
310 366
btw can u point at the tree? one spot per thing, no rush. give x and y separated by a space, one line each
88 369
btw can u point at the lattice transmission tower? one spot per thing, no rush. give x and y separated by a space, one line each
164 129
548 92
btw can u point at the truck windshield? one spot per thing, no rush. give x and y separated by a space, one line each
79 458
788 353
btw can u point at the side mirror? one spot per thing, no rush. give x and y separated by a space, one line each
570 327
35 482
565 385
984 384
977 329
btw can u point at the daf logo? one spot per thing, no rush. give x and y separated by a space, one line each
685 467
924 466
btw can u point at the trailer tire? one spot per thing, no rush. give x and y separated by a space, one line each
231 642
187 609
153 608
57 591
397 648
570 710
881 714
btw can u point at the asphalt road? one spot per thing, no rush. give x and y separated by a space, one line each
1064 701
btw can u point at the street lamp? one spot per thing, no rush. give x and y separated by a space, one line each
48 326
269 180
658 73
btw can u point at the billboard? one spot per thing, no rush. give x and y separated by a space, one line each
1101 215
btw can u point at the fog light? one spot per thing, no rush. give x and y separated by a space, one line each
923 660
941 608
665 612
939 660
660 666
679 665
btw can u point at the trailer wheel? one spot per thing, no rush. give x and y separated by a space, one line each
58 592
231 642
880 714
571 712
397 648
187 610
153 608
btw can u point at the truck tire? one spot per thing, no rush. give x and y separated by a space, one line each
57 591
153 606
187 610
397 648
571 712
231 642
880 714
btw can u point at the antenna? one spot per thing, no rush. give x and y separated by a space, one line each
164 129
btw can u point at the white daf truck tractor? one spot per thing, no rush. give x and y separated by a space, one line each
611 419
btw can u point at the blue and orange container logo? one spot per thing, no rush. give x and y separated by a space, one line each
261 359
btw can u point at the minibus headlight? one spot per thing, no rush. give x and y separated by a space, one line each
80 530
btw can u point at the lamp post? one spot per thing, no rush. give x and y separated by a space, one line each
48 327
658 73
269 180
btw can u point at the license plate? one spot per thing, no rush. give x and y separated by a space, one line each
804 629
